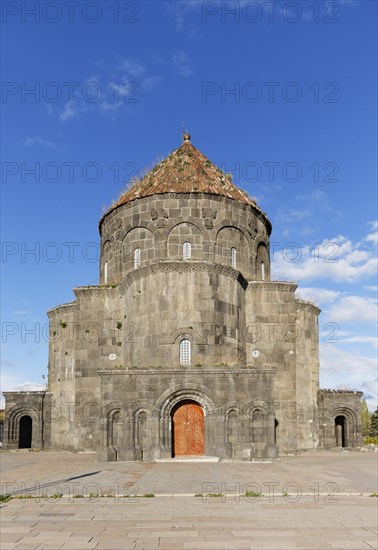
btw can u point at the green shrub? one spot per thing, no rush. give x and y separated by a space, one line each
368 440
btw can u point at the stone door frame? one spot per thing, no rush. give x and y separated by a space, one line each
166 403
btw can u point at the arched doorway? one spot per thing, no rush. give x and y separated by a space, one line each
25 439
340 431
188 429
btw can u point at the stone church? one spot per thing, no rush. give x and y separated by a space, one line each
186 347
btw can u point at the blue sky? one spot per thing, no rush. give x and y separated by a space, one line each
282 96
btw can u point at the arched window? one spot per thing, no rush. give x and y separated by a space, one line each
106 272
136 258
186 250
185 353
233 257
262 271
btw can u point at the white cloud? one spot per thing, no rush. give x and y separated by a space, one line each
317 295
373 236
182 64
180 10
68 111
361 340
330 333
336 259
302 211
37 140
132 67
29 386
122 89
358 372
150 82
13 382
114 88
25 386
355 309
370 389
107 106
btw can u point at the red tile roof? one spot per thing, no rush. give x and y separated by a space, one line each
186 170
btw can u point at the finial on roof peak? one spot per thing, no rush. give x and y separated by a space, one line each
187 136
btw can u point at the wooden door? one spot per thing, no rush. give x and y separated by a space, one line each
188 429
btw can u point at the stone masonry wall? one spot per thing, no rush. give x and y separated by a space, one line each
339 418
238 424
160 224
283 333
307 374
35 405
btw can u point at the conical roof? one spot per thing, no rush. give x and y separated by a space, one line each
186 170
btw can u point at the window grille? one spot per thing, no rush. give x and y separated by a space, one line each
185 352
186 250
136 258
262 271
233 258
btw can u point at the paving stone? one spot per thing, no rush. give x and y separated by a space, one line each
176 533
115 545
239 544
206 544
191 523
78 545
15 529
50 545
11 537
146 544
174 544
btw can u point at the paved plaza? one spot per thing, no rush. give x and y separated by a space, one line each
317 500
